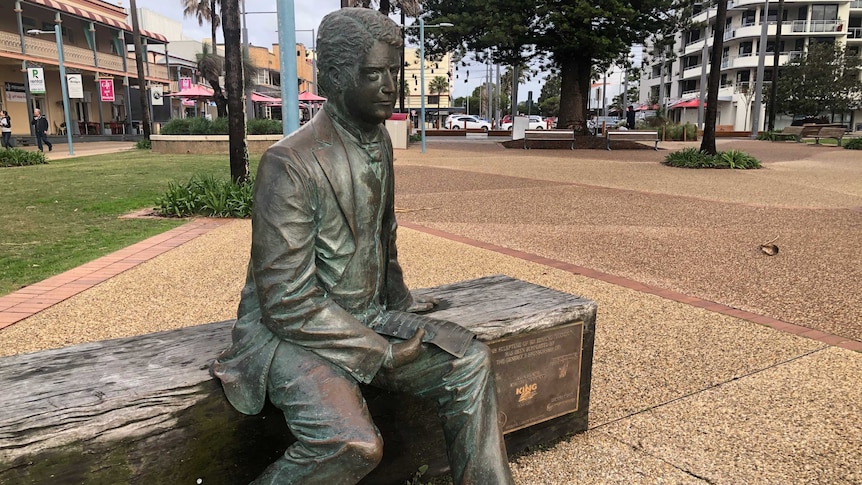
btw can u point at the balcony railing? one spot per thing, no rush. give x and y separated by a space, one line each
854 33
856 4
47 49
729 34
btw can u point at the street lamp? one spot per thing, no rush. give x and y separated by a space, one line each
422 27
63 88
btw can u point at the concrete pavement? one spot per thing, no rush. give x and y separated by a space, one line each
714 363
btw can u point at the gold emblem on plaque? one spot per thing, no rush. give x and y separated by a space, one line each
526 392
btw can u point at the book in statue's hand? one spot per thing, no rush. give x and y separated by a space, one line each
449 336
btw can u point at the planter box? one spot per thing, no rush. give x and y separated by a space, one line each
208 144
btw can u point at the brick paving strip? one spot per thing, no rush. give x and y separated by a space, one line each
34 298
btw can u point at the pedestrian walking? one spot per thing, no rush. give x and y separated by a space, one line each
630 118
40 123
6 129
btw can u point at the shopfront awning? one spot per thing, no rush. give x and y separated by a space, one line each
86 15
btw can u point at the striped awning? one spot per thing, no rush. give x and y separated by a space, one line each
77 12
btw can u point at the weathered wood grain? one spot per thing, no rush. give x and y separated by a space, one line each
146 410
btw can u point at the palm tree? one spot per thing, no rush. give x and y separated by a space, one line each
438 85
234 86
204 11
211 67
707 143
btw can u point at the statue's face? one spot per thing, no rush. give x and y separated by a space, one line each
371 99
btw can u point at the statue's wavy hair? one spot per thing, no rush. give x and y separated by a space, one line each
344 39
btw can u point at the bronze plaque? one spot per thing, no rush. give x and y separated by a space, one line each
538 375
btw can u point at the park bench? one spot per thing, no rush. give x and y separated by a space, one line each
555 135
145 409
830 132
790 131
632 135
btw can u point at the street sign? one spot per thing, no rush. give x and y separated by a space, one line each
156 95
106 89
75 85
36 79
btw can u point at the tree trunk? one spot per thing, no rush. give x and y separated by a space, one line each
139 63
707 145
574 92
234 87
385 7
773 88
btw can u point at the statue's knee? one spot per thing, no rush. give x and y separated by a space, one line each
363 454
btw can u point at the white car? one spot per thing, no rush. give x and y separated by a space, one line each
467 122
535 123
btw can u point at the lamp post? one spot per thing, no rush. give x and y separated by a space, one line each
287 65
58 33
422 27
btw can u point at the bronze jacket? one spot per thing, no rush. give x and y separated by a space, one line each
303 234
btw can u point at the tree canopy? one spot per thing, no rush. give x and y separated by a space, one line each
568 37
825 79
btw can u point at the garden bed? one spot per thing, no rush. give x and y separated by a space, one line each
208 144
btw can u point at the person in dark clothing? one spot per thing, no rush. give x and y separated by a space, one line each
630 118
40 123
6 129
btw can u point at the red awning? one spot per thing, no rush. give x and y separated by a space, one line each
306 96
262 98
86 15
646 107
195 92
686 103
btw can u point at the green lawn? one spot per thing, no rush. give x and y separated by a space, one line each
63 214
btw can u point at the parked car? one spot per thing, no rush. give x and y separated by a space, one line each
467 122
536 122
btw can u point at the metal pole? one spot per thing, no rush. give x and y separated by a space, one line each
761 60
314 59
287 63
422 77
58 33
18 11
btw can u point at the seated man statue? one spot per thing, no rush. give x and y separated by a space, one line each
324 274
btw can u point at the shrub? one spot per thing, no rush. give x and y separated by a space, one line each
689 158
260 126
15 157
675 132
206 196
176 126
853 144
200 126
219 126
693 158
767 136
144 144
736 159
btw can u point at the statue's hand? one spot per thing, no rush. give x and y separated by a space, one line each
404 352
422 304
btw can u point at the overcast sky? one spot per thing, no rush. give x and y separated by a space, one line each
263 27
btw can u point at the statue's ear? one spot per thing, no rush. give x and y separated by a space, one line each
336 79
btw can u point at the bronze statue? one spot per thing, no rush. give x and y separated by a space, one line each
324 274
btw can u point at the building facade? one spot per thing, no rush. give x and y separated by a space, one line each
802 23
434 100
96 42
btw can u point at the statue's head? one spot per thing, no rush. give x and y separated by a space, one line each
359 58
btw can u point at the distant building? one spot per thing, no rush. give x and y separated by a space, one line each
802 23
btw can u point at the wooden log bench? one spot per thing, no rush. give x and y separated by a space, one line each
145 409
632 135
554 135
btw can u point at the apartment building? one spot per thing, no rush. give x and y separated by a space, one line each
802 23
96 40
434 101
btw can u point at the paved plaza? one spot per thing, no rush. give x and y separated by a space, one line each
714 362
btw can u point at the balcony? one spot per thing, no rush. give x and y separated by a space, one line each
47 49
854 33
856 4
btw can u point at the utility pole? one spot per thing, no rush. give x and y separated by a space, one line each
142 80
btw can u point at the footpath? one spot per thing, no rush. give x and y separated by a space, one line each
714 362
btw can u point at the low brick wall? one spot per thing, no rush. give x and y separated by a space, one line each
208 144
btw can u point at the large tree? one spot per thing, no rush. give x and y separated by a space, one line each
707 143
234 86
824 80
569 36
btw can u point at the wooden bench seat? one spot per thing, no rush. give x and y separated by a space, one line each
632 135
557 135
146 410
791 131
830 132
